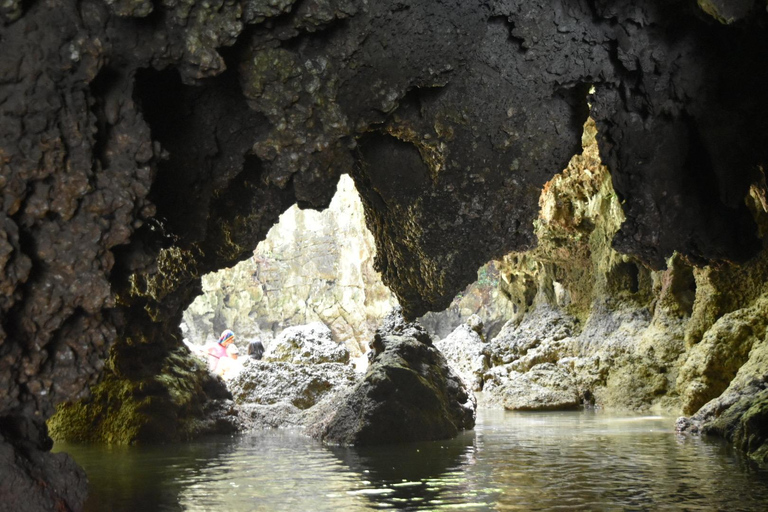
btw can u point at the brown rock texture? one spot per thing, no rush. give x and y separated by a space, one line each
143 144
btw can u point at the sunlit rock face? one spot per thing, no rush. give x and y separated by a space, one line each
318 267
596 327
312 267
308 344
144 145
281 394
464 350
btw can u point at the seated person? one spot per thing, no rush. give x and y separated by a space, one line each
255 349
218 351
230 366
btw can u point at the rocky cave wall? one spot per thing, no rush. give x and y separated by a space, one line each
144 144
319 267
594 326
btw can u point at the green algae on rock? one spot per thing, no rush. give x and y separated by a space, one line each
182 401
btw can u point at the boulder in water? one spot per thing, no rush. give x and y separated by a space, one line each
545 387
271 395
409 393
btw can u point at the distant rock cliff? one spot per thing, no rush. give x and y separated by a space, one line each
318 267
312 267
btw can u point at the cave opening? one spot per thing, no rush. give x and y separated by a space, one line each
146 144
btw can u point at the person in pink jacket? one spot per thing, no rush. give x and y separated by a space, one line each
216 352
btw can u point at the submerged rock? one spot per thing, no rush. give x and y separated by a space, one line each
307 344
409 393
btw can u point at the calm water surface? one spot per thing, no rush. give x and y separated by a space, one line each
511 461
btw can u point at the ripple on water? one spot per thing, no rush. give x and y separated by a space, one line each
512 461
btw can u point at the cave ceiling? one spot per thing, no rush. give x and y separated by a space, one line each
145 143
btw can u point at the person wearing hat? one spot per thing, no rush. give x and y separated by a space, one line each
219 350
230 366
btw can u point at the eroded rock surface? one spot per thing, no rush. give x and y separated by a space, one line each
464 350
307 344
312 267
31 478
146 144
283 394
409 393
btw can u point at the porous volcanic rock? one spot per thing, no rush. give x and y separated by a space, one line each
307 344
146 144
280 394
409 393
545 386
26 467
463 349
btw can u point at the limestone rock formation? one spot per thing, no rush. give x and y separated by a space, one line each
409 393
483 299
312 267
464 350
306 344
280 394
545 386
145 144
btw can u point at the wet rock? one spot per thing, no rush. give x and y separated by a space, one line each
409 393
301 385
180 402
463 349
306 344
545 387
738 414
712 364
31 478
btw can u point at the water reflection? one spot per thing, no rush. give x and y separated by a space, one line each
415 475
512 461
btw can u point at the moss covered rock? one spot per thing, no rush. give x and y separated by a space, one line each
180 403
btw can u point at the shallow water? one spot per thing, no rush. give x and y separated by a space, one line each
511 461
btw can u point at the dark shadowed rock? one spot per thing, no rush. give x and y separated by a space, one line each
408 394
31 478
181 402
307 344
